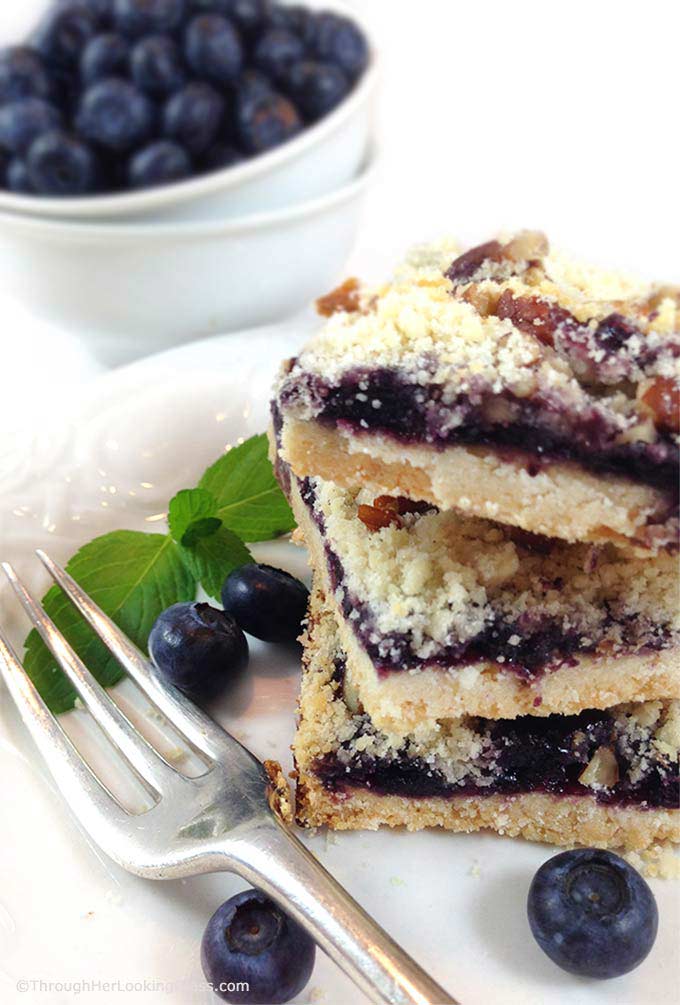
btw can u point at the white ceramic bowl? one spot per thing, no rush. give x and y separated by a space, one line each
320 160
130 290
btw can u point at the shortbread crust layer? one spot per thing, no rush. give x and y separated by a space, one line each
609 779
399 595
506 383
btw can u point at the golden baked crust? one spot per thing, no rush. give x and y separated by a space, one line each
400 701
327 723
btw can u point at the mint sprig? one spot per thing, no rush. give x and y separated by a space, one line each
135 576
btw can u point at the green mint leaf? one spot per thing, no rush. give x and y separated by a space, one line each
192 515
133 577
211 559
250 502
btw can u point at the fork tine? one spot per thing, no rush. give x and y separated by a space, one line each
197 728
90 800
145 761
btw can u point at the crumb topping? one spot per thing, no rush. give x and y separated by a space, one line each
439 577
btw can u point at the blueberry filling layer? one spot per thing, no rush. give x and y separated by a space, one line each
383 401
528 647
523 755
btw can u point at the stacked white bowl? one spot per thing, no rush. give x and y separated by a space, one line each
247 245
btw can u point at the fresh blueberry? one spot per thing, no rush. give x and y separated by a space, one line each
21 122
338 40
592 913
61 165
266 602
22 75
220 156
115 115
17 179
160 163
64 32
266 122
276 51
250 941
156 65
213 48
102 10
253 84
193 117
247 15
104 56
198 649
297 19
137 18
317 88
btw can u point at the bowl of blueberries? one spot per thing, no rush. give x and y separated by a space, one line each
171 169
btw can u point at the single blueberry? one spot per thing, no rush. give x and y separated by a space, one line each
193 117
198 649
338 40
299 20
251 942
266 602
213 48
276 51
137 18
21 122
317 88
592 913
160 163
115 115
156 65
16 177
63 33
22 75
220 156
266 122
104 56
61 165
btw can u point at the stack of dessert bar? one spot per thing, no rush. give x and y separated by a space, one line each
482 457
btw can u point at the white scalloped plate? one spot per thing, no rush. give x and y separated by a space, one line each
457 903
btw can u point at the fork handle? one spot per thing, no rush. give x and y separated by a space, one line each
275 861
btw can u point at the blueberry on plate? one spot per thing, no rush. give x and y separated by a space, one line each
219 156
114 114
64 31
198 649
156 65
61 165
339 40
592 913
160 163
21 122
266 602
212 48
317 88
250 941
16 177
146 17
193 117
265 122
104 56
22 75
276 51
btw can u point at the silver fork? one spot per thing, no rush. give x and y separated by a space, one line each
223 820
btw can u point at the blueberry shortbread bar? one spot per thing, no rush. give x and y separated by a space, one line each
606 778
442 614
509 384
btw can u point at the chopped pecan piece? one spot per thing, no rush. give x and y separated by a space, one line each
466 265
345 298
376 519
527 246
662 398
400 505
533 316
